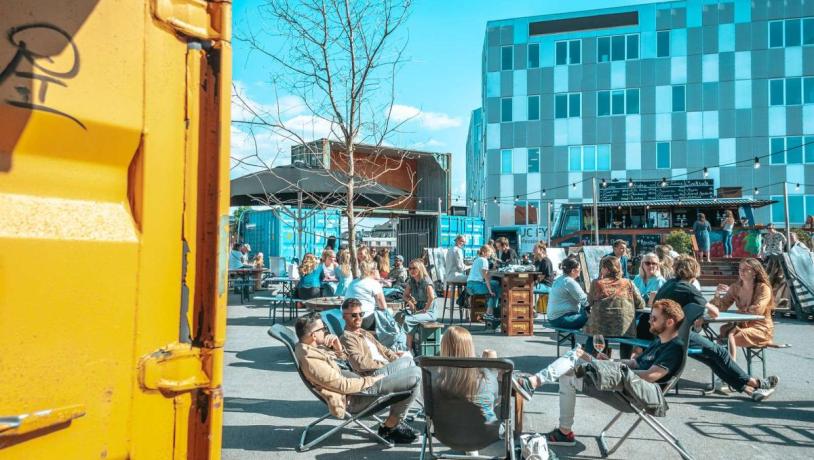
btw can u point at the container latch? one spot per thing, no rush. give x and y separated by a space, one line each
178 367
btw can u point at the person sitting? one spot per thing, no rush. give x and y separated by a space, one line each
330 277
663 252
752 294
480 386
318 352
479 282
398 274
542 264
310 273
258 264
567 301
244 254
235 257
366 355
419 295
369 291
649 279
454 261
506 255
383 262
343 272
659 362
613 302
620 252
681 290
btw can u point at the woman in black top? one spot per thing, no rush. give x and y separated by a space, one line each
542 264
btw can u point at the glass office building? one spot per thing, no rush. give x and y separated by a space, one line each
645 92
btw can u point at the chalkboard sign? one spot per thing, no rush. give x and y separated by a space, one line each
647 242
652 190
609 239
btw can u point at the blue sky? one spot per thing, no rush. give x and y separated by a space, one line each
440 84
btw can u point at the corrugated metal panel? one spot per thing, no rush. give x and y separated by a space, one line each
416 233
277 237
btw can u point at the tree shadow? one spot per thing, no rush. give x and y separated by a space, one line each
347 443
762 433
780 410
275 407
274 358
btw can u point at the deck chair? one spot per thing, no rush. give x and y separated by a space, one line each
692 312
377 404
457 422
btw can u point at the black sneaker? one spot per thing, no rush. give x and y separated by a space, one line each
522 385
399 434
558 438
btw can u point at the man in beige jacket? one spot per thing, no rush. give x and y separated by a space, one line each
343 390
366 355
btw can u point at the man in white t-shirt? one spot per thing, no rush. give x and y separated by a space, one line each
369 291
365 354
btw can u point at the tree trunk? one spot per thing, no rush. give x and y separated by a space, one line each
351 214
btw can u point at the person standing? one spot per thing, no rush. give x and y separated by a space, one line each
773 242
726 233
701 229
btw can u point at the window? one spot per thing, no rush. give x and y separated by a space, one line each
507 58
533 212
617 48
663 155
574 104
778 150
603 49
797 209
633 46
775 34
794 150
534 108
525 212
534 160
792 32
602 103
589 158
534 55
808 31
506 109
790 150
793 92
776 92
663 43
506 161
808 90
568 52
809 154
632 98
678 98
618 102
567 105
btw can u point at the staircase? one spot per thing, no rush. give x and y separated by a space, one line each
719 271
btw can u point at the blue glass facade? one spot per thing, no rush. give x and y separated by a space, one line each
682 86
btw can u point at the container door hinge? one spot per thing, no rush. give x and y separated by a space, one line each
176 368
210 20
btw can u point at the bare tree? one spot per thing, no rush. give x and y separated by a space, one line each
339 57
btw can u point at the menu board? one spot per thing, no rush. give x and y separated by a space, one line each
647 242
653 190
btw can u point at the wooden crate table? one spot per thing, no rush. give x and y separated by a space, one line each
428 339
517 302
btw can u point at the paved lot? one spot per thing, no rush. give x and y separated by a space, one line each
266 405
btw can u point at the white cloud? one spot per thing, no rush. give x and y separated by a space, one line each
433 121
428 144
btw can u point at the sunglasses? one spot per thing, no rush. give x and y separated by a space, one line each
322 329
355 315
413 268
651 263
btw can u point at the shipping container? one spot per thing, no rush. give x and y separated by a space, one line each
114 168
274 232
432 231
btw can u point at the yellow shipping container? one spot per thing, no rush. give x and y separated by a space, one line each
114 135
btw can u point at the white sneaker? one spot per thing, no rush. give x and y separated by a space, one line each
762 394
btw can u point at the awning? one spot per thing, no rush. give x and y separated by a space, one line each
693 203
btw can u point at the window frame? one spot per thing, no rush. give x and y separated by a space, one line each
598 95
569 59
503 110
568 105
684 98
669 155
528 56
529 105
782 82
502 57
597 149
780 154
782 34
659 34
598 47
503 162
628 91
529 156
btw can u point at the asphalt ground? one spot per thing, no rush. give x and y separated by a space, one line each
266 405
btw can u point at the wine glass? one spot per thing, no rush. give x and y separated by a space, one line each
599 343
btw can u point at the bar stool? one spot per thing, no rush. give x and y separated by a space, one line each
451 290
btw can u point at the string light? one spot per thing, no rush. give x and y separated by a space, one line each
757 163
604 183
757 192
495 200
630 182
544 192
419 201
706 171
574 185
663 181
797 188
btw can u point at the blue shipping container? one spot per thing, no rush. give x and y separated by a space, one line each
275 235
471 227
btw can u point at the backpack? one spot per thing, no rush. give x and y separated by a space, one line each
535 447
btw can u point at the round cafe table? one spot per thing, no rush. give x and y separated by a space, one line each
319 304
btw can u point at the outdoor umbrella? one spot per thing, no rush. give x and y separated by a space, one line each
299 185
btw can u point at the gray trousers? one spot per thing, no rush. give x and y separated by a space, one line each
400 375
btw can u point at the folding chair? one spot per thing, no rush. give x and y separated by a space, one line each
691 313
378 403
459 423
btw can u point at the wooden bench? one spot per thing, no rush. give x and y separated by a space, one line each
564 335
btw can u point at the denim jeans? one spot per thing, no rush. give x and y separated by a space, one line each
727 237
573 320
479 288
717 358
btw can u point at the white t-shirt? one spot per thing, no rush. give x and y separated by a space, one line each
475 272
365 290
374 352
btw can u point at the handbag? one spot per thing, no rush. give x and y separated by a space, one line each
533 446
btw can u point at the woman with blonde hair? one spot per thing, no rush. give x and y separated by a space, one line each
649 279
666 260
383 262
752 294
726 233
613 303
419 295
479 282
310 274
479 386
330 277
344 273
369 291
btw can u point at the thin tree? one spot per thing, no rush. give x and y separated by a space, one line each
340 58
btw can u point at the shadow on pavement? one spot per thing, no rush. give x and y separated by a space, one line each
265 359
275 407
250 321
761 433
781 410
347 444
